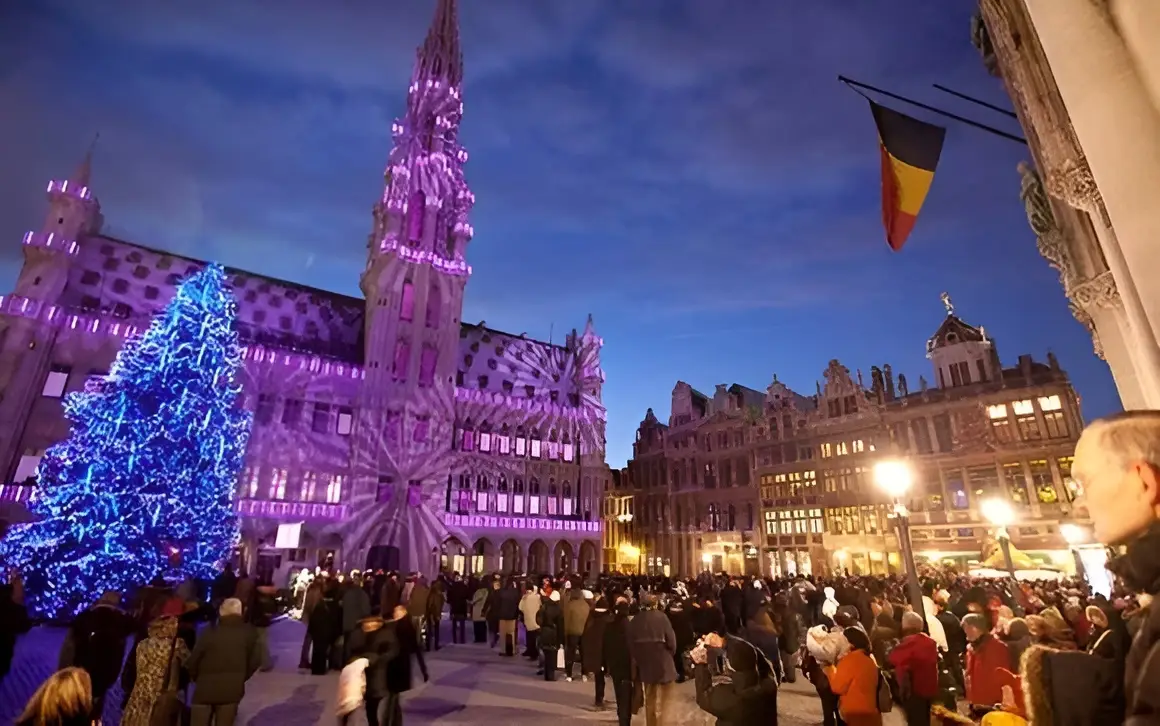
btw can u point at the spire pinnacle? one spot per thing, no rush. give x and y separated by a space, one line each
439 56
84 171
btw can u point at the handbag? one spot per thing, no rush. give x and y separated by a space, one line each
885 698
168 708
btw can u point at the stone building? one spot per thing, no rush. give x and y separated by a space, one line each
393 432
780 482
1084 79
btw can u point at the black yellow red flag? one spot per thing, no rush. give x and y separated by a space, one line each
910 151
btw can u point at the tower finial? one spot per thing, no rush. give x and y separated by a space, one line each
439 56
84 172
946 301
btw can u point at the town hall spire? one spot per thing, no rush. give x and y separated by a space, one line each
439 57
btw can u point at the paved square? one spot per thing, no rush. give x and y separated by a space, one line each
470 684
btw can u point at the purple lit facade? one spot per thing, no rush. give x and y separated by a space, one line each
378 421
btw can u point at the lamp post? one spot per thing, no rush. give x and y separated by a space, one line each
895 477
1075 536
1000 514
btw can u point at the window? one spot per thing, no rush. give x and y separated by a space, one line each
292 411
921 433
567 452
278 484
334 490
957 491
505 443
56 381
407 302
827 451
252 477
1056 424
385 488
434 303
997 411
942 432
1070 485
309 482
521 445
1023 408
321 421
402 359
264 411
485 442
857 446
1025 420
771 523
481 501
467 440
345 421
1016 484
27 467
817 523
518 496
1042 483
427 363
534 505
535 448
840 449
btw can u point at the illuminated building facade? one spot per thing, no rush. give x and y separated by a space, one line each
783 485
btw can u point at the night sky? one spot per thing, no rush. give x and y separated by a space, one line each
689 172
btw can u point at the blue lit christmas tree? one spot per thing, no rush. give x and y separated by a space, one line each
144 486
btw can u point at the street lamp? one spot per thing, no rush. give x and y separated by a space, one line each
895 477
1075 536
1000 514
706 559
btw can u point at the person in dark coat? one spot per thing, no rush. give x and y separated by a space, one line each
592 646
616 661
458 598
14 621
507 611
96 642
224 658
550 618
325 627
750 697
681 621
399 675
376 643
653 644
491 611
434 614
356 607
731 601
391 595
760 634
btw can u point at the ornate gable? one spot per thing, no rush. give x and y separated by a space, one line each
953 331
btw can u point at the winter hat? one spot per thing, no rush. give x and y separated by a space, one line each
174 606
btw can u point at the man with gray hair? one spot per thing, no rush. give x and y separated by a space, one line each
986 656
223 659
1117 465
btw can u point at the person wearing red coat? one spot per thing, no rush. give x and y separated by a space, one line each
986 656
915 663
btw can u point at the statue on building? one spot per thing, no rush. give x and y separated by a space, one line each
888 377
1039 213
1052 361
922 385
981 39
903 389
877 387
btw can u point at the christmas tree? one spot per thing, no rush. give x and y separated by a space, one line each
144 485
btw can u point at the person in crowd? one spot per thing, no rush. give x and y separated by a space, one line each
64 699
96 642
682 624
399 676
749 697
786 625
159 659
507 607
417 602
434 615
458 600
479 612
356 607
732 600
379 646
956 639
883 636
824 648
915 664
1017 636
324 628
491 611
391 595
529 609
14 620
576 612
224 585
616 661
854 680
224 658
261 616
550 618
830 605
986 655
309 602
1117 459
592 647
653 645
760 633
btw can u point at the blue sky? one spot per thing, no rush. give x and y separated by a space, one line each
689 172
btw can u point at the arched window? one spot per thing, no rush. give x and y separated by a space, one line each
519 485
464 481
481 484
416 215
502 486
551 487
714 517
731 522
569 504
534 487
567 490
534 496
434 305
407 302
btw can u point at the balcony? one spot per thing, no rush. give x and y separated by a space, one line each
291 510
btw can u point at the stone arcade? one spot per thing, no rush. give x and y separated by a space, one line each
396 434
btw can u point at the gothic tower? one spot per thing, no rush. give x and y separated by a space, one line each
414 283
29 319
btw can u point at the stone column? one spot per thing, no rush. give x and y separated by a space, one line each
1119 131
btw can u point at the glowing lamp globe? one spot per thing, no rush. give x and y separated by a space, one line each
1073 533
894 477
997 511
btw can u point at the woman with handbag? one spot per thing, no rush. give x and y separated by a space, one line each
155 700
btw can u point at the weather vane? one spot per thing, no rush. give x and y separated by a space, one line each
946 301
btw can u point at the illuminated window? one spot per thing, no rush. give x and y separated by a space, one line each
56 381
771 523
1043 483
505 444
997 411
345 421
841 449
278 484
1056 424
817 523
857 446
1027 423
827 451
26 469
309 482
568 452
534 505
1023 408
253 477
1070 485
521 446
485 442
1016 484
334 490
535 448
1050 403
481 501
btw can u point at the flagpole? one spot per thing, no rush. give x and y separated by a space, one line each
976 101
855 85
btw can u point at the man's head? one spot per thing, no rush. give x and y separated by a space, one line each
230 606
1117 462
974 626
912 623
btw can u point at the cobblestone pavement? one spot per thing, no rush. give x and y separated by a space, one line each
469 684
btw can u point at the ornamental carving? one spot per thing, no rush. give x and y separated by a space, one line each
1086 320
1071 180
1035 201
1098 292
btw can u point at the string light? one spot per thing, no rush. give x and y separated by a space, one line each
144 485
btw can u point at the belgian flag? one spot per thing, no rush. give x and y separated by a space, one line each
910 150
